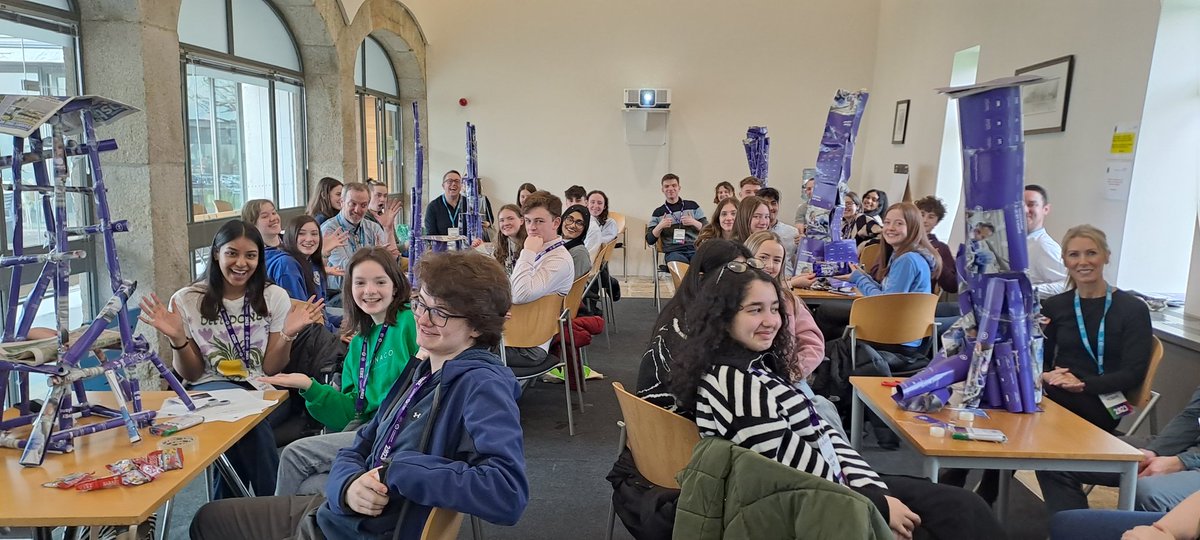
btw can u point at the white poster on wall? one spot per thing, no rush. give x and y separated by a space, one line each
1117 176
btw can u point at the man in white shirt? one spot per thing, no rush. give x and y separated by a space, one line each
544 267
788 235
1046 271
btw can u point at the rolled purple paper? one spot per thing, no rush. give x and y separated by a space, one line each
977 377
1020 327
928 402
943 371
993 397
1006 371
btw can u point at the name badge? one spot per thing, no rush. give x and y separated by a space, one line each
1116 404
452 231
679 235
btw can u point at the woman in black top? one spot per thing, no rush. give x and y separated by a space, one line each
869 223
1078 372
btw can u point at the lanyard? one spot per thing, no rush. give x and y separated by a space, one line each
364 369
1098 355
242 351
553 246
453 215
398 420
358 234
824 445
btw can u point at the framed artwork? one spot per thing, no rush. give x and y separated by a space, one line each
1044 104
900 122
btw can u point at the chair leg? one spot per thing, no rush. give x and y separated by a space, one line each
577 362
567 393
164 525
612 508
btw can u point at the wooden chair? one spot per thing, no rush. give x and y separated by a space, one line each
571 304
442 524
891 319
869 256
606 298
1144 398
660 441
198 210
619 219
678 270
531 325
223 206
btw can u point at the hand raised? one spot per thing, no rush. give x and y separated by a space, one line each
302 315
169 322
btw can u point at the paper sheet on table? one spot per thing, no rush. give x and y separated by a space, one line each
241 403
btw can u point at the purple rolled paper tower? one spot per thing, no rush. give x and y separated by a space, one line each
757 145
1028 374
981 359
993 398
931 401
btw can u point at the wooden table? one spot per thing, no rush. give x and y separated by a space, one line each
810 294
28 504
1053 440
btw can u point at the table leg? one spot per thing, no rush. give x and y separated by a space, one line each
70 533
932 467
1128 486
163 525
43 533
856 419
1001 505
231 476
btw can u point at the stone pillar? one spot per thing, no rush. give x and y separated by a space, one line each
130 52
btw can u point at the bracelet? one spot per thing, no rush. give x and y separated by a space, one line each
287 338
186 342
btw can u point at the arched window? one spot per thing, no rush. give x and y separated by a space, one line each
39 56
244 98
378 122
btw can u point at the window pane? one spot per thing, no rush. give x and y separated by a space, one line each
200 258
202 23
380 76
392 146
258 34
289 132
371 137
229 141
57 4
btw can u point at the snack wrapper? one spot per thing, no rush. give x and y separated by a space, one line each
99 483
69 481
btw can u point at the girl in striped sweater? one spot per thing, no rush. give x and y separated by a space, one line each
731 374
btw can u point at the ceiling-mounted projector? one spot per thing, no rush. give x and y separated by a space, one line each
647 98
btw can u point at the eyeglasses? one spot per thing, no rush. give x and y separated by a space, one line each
573 221
438 316
738 267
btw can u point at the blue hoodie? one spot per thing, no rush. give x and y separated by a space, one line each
908 273
475 462
284 270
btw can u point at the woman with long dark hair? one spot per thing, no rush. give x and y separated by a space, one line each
326 200
869 223
730 375
753 215
229 328
721 226
602 230
508 245
297 265
523 191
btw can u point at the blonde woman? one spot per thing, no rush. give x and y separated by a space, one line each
767 247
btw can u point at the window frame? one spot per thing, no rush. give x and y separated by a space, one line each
381 168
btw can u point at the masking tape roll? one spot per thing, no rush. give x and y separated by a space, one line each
937 431
188 443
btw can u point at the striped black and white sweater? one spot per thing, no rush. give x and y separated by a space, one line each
754 408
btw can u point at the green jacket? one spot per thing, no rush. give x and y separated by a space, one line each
729 492
334 408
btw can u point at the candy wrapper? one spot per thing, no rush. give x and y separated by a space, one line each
69 481
99 483
928 402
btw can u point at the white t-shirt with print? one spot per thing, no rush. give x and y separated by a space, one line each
219 354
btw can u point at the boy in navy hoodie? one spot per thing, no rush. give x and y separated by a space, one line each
448 436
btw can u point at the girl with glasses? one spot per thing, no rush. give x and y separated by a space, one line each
385 340
731 375
574 229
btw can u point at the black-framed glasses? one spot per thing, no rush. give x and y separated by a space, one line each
738 267
438 316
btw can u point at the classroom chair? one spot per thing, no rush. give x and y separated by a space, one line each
892 319
678 270
442 524
619 219
531 325
1144 398
659 268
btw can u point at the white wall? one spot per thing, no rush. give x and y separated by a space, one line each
544 79
1112 41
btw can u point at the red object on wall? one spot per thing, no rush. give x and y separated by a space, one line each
462 102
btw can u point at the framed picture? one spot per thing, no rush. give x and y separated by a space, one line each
1044 105
900 123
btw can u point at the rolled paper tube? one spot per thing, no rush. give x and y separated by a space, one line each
993 397
190 444
940 373
35 447
1022 361
119 389
142 418
1036 360
1006 371
929 402
977 376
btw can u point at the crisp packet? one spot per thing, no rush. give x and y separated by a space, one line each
150 469
123 466
135 478
170 459
99 483
69 481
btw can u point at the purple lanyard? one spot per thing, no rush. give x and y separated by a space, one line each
398 420
363 370
553 246
242 351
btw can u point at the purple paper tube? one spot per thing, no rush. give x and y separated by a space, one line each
943 371
1027 376
977 376
1006 371
928 402
993 397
